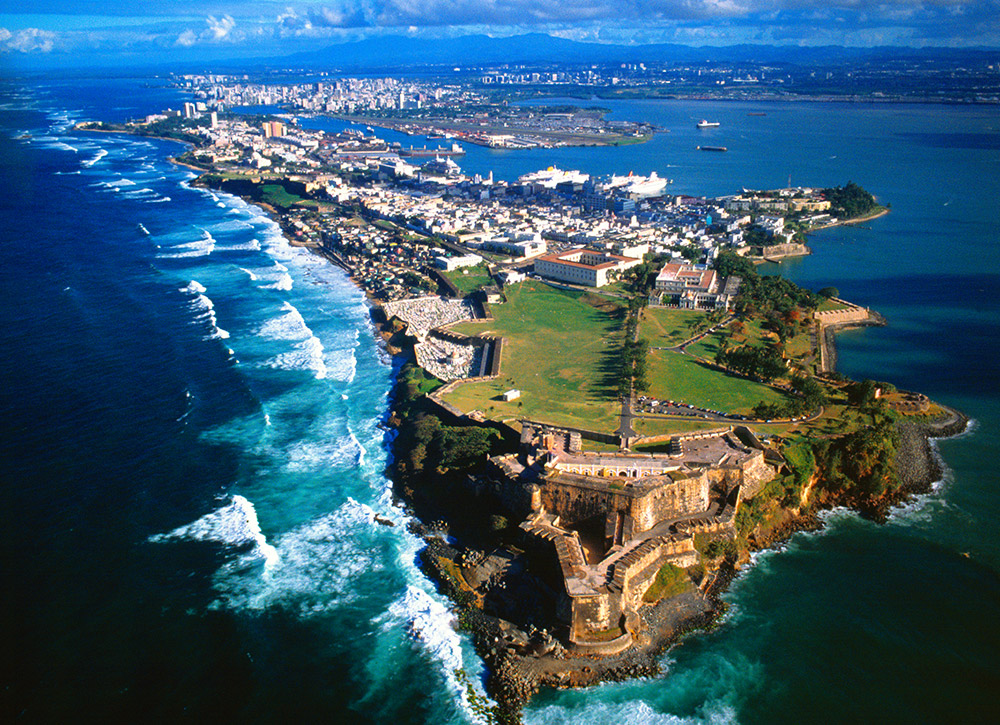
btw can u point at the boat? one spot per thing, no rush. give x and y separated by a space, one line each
642 187
756 113
551 177
712 148
455 150
708 124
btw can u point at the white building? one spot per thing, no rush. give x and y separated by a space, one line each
450 263
583 266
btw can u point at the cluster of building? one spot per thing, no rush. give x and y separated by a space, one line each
690 287
336 95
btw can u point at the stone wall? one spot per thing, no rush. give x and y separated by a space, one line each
852 313
677 498
756 473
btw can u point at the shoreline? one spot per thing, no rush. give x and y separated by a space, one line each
882 211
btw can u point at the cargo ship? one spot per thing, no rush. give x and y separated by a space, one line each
712 148
454 150
708 124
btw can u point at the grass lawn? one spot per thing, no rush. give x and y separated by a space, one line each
277 196
679 377
469 279
666 326
799 347
828 304
669 582
561 350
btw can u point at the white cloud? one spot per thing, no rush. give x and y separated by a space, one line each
220 28
187 38
28 40
217 30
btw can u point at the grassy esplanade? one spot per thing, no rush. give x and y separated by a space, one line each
561 350
469 279
674 375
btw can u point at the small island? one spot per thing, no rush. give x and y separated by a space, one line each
602 405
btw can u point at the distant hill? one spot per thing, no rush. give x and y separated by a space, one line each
401 51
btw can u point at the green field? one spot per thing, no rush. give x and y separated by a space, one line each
675 376
469 279
666 326
797 347
561 350
276 195
827 304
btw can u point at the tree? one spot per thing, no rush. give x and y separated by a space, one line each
829 292
862 394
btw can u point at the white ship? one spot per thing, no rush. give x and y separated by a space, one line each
708 124
551 177
639 186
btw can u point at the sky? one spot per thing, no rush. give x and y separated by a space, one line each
177 30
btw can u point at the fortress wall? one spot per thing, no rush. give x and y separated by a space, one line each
639 574
686 496
495 359
853 313
592 613
755 474
574 504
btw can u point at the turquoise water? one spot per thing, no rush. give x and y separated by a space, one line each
193 454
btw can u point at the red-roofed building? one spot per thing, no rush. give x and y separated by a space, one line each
583 266
690 287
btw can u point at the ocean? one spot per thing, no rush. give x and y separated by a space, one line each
193 453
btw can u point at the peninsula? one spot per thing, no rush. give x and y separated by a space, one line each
602 405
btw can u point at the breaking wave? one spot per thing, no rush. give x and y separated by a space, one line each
204 309
234 525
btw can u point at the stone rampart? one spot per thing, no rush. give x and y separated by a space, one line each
850 314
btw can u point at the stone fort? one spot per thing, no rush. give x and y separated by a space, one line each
612 520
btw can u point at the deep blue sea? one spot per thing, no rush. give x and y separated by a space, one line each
192 454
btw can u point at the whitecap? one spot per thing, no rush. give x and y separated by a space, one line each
324 454
235 525
343 367
201 247
307 355
634 712
94 159
316 568
252 276
430 622
289 326
283 283
205 310
252 246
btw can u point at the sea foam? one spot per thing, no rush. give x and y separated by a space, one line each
317 567
205 309
235 525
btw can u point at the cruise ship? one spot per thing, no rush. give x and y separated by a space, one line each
707 124
551 177
639 186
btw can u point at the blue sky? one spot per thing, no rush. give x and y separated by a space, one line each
194 29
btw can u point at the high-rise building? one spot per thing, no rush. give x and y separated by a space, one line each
273 128
189 110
